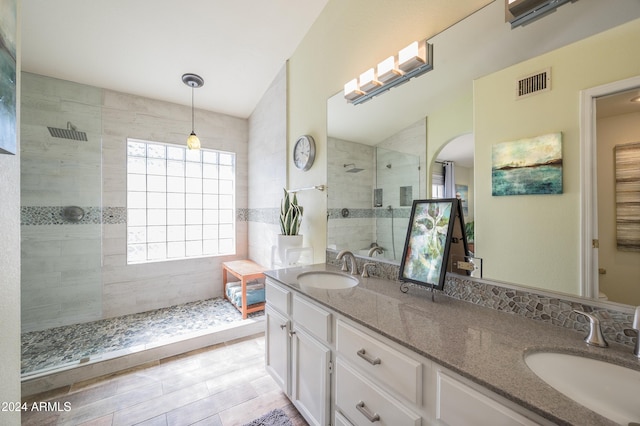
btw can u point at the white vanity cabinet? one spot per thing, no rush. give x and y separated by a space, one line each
339 372
299 332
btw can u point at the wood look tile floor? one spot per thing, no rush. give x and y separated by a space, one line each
223 385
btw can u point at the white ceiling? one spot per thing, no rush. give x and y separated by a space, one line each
143 47
238 46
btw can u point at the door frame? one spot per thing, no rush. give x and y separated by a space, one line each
589 286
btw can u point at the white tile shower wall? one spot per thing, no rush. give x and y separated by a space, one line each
354 234
60 282
267 164
395 170
137 288
76 273
412 140
393 241
351 191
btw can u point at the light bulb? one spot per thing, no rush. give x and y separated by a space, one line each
193 142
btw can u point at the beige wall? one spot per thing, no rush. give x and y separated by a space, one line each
620 283
533 240
452 120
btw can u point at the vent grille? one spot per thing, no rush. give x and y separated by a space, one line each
534 83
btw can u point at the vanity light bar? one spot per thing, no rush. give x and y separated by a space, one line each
412 61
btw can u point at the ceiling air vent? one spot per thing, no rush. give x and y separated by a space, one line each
534 83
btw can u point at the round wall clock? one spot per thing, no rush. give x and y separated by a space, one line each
304 152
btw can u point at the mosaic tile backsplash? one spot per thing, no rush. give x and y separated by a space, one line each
552 309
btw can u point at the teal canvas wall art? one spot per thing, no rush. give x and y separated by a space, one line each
8 135
527 166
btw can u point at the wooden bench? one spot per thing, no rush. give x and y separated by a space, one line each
245 271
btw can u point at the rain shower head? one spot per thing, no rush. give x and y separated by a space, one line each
352 168
71 132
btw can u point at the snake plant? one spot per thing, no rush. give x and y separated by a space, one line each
290 214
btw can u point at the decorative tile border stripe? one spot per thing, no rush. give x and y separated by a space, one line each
397 212
242 215
114 215
352 213
552 309
269 216
52 215
378 212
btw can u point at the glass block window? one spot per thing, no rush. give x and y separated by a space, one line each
180 202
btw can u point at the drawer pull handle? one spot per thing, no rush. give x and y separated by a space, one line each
283 326
373 361
375 417
291 333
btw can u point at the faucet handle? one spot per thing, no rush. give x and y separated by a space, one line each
365 272
595 337
634 331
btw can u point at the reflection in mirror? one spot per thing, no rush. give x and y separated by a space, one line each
371 190
617 225
548 228
459 151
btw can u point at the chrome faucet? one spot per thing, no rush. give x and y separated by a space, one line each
634 331
347 255
595 337
375 249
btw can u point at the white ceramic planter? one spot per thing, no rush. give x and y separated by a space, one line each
286 242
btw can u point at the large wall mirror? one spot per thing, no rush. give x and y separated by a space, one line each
532 241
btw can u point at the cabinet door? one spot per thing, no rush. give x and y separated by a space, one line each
310 377
277 348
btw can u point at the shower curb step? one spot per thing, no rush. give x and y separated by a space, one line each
113 362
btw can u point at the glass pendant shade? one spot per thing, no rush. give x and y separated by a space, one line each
193 142
194 81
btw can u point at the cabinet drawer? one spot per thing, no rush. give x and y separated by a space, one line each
364 403
278 297
340 420
382 362
316 320
459 404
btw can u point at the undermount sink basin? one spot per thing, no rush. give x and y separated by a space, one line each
327 280
608 389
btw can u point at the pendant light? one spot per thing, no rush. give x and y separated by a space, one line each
194 81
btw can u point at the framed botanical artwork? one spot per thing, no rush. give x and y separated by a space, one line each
527 166
435 227
8 134
627 158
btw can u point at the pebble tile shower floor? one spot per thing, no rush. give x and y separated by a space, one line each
61 346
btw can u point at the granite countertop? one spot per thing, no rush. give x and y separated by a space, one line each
484 345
